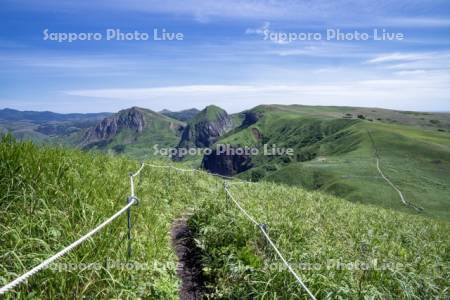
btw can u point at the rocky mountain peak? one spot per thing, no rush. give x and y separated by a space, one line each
132 118
206 127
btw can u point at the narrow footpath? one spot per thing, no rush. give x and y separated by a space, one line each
189 267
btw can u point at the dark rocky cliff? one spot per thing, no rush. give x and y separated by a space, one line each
227 165
250 118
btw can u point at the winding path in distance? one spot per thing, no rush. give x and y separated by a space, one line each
407 203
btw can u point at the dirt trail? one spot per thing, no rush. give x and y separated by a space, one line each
189 261
377 156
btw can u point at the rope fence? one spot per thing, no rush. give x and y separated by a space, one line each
262 227
132 200
69 248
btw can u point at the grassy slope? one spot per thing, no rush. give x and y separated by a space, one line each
424 120
210 114
50 197
312 229
336 155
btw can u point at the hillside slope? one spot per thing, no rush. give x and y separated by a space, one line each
333 152
52 196
133 132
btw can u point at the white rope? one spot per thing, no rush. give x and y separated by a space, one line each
237 180
299 280
48 261
240 207
171 167
297 277
139 171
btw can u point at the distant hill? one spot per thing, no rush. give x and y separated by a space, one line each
182 115
334 153
45 126
40 117
134 132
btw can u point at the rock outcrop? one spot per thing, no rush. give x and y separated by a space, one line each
250 118
227 165
108 128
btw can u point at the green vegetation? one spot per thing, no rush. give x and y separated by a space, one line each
138 131
334 154
211 113
316 232
52 196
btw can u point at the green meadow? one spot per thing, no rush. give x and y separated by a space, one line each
51 196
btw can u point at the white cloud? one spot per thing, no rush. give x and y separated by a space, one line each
438 60
265 31
398 57
413 92
417 22
260 31
410 72
324 49
67 62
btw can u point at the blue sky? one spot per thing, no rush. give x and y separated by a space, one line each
224 58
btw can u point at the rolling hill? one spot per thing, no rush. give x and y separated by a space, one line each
342 250
334 151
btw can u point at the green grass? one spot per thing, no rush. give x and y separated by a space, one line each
208 114
52 196
312 229
335 155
